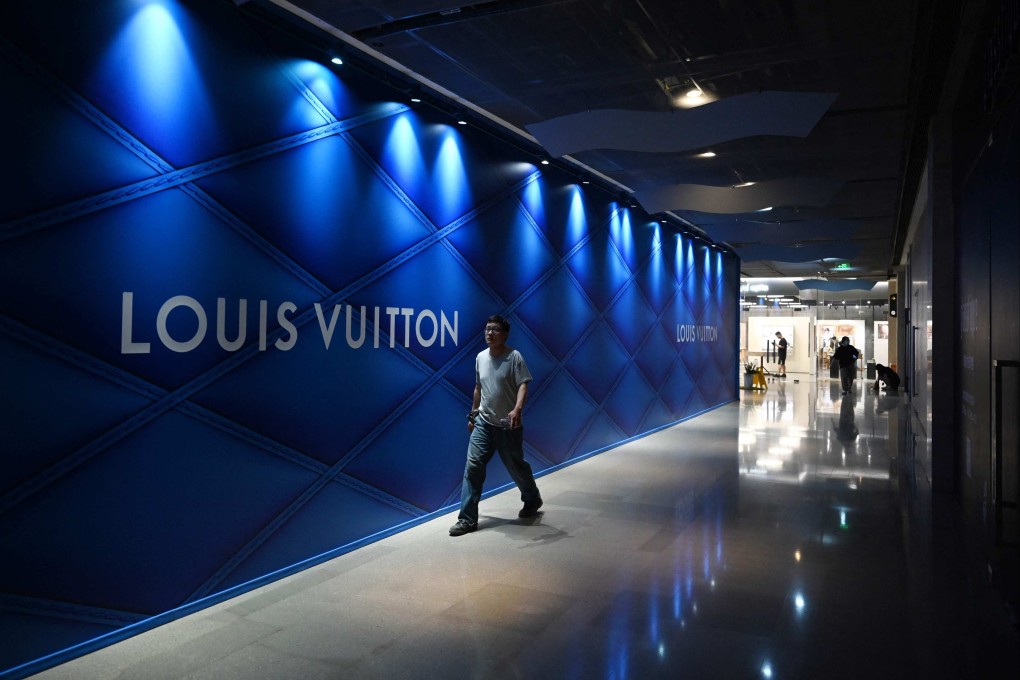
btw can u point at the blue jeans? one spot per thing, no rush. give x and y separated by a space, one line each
485 441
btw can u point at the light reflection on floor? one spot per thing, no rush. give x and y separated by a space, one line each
771 538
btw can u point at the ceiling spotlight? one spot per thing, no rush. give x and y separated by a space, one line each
413 93
337 60
692 90
545 161
745 184
707 154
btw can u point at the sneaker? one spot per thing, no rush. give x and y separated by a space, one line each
530 509
462 527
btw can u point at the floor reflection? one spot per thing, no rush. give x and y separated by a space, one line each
778 537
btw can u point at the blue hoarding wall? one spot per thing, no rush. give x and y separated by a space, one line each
241 293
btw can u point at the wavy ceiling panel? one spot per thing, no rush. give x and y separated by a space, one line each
732 200
839 251
743 231
834 286
789 114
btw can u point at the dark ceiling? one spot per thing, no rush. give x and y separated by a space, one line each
529 61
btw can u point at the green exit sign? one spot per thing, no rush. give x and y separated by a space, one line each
843 265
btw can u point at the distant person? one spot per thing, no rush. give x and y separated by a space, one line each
888 376
781 345
501 388
846 355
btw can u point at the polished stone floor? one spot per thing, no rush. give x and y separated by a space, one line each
785 536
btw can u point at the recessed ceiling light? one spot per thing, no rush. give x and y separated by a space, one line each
745 184
707 154
337 60
696 92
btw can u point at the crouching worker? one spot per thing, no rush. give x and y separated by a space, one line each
888 376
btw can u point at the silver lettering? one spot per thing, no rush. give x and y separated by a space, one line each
127 345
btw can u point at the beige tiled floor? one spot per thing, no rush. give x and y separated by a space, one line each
783 536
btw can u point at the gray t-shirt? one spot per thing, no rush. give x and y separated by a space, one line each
500 377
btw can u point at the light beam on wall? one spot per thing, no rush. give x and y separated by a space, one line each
403 154
577 218
151 60
322 82
450 176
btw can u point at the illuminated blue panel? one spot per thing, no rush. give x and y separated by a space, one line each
164 72
631 318
629 401
601 433
658 415
600 269
454 174
433 280
323 207
335 516
302 397
677 390
565 212
156 247
557 313
656 278
58 408
326 88
55 143
178 480
601 349
427 479
548 428
541 363
634 236
506 248
656 356
163 417
694 286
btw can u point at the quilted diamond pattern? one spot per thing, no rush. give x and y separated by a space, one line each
177 168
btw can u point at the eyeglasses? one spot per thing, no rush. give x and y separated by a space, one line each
493 329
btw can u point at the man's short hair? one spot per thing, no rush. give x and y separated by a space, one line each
497 319
778 333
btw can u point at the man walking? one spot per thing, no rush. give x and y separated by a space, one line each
846 354
501 388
